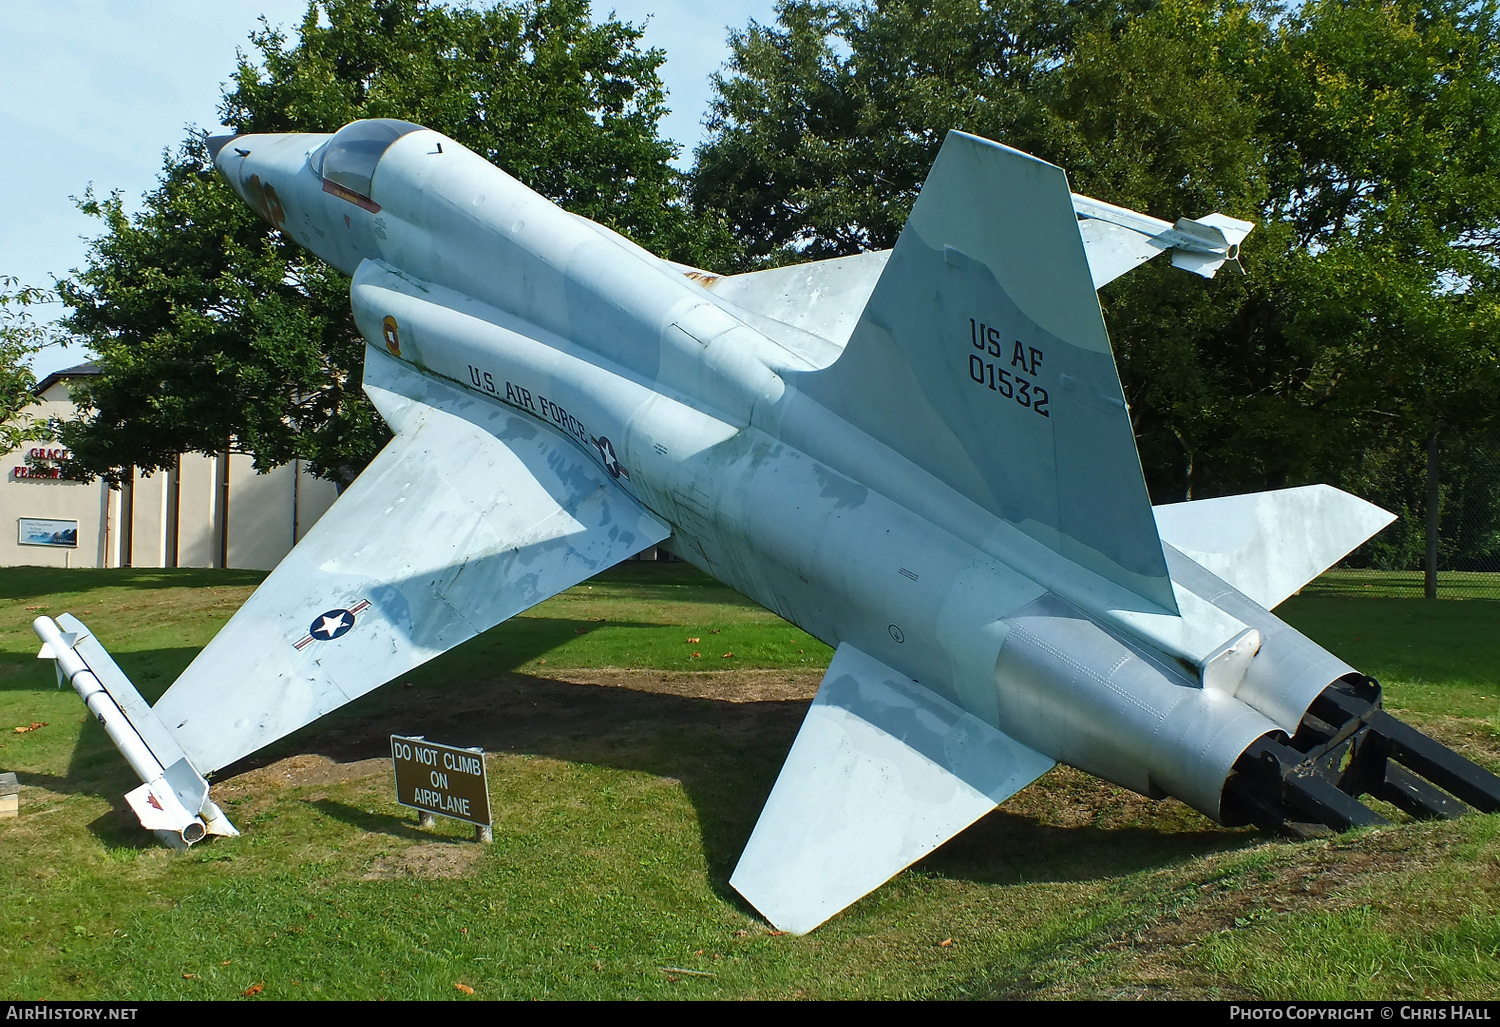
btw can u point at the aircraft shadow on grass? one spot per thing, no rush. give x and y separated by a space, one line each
726 754
42 582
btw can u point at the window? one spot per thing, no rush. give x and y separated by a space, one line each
350 157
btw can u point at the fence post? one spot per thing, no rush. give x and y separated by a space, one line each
1434 499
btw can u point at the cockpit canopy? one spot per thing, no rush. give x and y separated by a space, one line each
347 161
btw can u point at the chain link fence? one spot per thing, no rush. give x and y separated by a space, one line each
1468 552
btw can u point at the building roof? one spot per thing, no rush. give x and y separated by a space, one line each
76 371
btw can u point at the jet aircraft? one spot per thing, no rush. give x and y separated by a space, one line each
922 457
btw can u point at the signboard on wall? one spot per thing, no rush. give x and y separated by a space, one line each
41 463
45 531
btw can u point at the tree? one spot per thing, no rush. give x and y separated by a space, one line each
214 332
1390 116
1358 134
568 107
1154 114
21 338
826 122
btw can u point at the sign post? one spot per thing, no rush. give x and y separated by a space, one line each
442 780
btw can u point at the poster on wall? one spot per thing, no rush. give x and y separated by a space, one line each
43 531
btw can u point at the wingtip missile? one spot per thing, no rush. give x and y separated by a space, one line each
172 800
1118 239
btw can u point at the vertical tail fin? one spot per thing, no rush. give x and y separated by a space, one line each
982 357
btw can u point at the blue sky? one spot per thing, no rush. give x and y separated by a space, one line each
92 92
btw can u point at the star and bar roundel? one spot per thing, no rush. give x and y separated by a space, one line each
611 461
332 624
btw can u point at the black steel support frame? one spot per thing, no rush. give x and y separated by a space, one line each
1347 747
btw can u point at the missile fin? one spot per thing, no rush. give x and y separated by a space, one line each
158 808
1204 265
883 771
1232 229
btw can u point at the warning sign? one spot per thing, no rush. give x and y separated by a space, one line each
441 779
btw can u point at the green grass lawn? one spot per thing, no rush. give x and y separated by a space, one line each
1434 658
1407 584
626 774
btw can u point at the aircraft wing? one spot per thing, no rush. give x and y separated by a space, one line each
469 516
1117 240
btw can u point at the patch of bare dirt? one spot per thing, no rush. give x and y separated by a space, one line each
1067 798
1338 874
294 771
658 722
449 859
1219 893
1381 869
736 686
1472 739
568 714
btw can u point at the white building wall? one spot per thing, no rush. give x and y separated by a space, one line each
197 509
148 536
261 513
177 517
314 497
25 496
269 513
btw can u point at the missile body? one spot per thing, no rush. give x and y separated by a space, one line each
173 798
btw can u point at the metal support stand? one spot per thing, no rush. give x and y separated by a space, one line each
1346 747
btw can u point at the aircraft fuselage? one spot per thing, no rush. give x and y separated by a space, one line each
464 273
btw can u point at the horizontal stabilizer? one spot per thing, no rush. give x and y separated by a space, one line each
882 772
1269 544
823 297
469 516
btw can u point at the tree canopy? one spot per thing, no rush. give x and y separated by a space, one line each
1358 134
21 338
214 332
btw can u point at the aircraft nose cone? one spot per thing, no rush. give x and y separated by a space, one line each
217 143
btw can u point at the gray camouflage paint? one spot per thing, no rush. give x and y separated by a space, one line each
986 562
